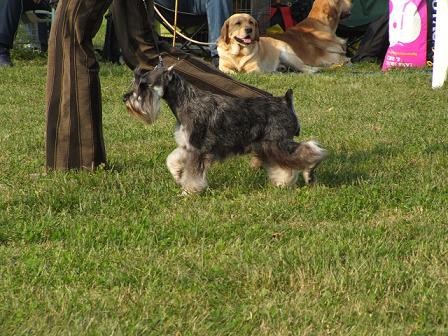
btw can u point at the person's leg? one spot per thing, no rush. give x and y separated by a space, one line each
74 137
31 5
217 13
10 11
134 32
136 40
37 31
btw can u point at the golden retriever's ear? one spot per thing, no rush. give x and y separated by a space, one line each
225 32
257 32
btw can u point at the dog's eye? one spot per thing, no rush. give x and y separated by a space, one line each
238 23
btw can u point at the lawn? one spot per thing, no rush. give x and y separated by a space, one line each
120 251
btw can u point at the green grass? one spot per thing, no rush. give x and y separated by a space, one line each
119 251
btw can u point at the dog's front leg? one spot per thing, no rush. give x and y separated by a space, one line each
226 69
193 179
255 161
176 163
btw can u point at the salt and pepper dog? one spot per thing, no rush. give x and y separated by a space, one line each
212 127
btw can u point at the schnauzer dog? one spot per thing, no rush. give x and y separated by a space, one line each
211 127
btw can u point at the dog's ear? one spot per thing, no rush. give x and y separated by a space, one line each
169 73
257 32
138 72
225 32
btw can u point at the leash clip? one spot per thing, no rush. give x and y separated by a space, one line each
160 64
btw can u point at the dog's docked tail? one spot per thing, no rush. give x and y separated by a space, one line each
304 156
289 98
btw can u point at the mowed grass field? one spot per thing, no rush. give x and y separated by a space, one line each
119 250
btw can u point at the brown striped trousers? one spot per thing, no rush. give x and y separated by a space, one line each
74 136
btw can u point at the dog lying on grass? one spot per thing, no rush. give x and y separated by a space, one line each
314 39
241 49
211 127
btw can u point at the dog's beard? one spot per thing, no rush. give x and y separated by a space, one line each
144 105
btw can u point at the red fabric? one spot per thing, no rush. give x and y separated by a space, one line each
285 11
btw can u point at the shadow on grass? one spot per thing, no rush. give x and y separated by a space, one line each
437 147
339 169
352 168
138 162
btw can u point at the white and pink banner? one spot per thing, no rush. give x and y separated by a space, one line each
408 27
440 65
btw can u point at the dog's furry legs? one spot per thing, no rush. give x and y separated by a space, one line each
287 56
188 169
282 160
309 176
193 179
176 163
281 177
187 165
256 162
312 155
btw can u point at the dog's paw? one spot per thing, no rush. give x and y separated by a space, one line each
309 177
310 69
255 162
185 193
283 68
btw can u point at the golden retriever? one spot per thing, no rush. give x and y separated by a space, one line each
241 49
314 39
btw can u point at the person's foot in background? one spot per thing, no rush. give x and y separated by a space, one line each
5 57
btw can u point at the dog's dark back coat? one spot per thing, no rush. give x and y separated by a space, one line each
221 125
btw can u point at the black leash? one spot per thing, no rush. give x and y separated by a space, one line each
155 39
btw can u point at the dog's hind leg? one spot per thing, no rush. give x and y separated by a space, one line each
313 156
288 154
287 56
281 176
308 175
193 179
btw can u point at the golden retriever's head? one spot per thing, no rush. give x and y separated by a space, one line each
241 29
330 12
345 8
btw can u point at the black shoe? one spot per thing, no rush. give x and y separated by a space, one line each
215 61
5 57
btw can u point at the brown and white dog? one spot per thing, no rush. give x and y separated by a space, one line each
241 49
314 39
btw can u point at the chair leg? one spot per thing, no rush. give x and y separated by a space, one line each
186 45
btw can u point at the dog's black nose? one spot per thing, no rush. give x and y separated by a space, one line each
249 30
